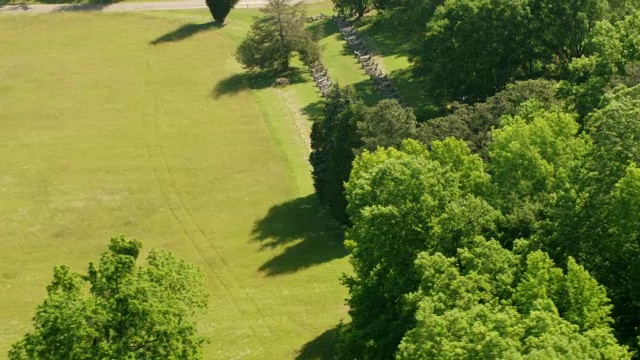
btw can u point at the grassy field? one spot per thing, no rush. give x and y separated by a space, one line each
144 124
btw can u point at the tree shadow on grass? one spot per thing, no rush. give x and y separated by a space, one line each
185 31
323 28
321 348
366 90
410 90
254 80
314 111
384 37
315 236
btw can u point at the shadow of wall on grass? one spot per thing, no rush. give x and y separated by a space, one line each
185 31
254 80
321 348
318 239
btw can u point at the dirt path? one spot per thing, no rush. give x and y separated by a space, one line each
124 6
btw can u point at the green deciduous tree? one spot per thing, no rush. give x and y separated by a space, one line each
220 9
472 49
119 310
531 159
275 37
412 200
597 222
561 27
611 54
403 202
489 303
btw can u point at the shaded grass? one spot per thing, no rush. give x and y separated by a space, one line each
255 80
309 235
320 348
185 31
118 136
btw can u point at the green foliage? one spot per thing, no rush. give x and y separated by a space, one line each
412 200
474 123
610 53
488 303
347 128
220 8
403 202
351 7
531 158
386 125
129 312
472 49
597 221
333 141
275 37
561 27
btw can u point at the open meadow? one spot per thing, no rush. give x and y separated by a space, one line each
144 124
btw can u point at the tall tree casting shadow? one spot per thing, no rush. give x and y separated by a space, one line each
185 31
317 238
255 80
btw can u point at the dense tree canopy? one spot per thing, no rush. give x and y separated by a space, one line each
470 50
119 310
386 125
489 303
536 184
474 123
596 218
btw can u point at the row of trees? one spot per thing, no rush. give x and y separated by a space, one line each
508 227
346 128
545 195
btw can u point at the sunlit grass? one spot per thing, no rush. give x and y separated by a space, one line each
104 133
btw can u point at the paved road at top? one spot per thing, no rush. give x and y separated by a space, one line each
125 6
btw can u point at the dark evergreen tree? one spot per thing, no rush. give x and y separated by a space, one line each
220 9
333 141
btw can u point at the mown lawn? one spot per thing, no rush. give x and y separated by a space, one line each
144 124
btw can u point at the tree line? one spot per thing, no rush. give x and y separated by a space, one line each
507 226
